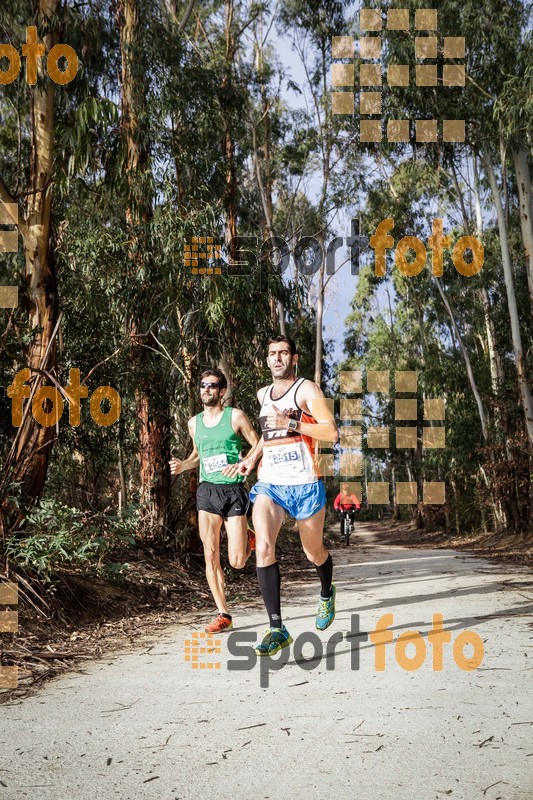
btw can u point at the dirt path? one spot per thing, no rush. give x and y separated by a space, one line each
145 724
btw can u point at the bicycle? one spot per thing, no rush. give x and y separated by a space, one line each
347 526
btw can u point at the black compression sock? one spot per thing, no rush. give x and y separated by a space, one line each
325 573
269 584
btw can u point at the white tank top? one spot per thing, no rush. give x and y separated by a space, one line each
289 459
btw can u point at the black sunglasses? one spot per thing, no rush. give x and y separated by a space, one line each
209 385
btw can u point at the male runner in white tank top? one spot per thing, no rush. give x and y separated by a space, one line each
294 417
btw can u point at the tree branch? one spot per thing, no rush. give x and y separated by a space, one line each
187 14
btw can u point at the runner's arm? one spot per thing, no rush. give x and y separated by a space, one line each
242 426
326 428
247 464
313 402
193 461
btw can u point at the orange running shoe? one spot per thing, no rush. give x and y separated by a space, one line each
219 624
251 538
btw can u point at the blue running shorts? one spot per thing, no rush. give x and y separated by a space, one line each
301 502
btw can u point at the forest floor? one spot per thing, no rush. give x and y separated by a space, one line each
141 723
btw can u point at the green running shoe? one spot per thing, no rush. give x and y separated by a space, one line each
274 640
326 611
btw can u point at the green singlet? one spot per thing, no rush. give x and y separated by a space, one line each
217 447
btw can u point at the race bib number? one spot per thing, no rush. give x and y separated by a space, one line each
215 463
286 457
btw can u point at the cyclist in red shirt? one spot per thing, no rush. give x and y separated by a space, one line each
347 503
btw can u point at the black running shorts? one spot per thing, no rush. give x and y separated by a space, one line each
224 499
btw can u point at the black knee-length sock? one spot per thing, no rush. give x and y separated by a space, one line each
269 584
325 573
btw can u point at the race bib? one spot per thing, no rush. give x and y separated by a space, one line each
287 458
215 463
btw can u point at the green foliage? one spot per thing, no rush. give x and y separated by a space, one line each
196 94
55 537
400 322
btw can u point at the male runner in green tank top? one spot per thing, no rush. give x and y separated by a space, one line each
217 434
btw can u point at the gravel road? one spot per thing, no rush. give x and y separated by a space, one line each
144 723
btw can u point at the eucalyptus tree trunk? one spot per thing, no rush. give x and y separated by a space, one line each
496 371
495 363
226 87
277 312
189 372
523 181
395 505
319 343
326 170
468 365
225 366
121 472
178 19
501 510
34 442
170 7
151 403
524 390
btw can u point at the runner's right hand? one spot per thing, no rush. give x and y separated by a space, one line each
231 470
176 466
246 466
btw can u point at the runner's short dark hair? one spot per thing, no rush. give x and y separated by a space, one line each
218 374
287 340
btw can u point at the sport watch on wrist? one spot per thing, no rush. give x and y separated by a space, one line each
292 425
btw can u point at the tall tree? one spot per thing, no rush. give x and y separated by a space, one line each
34 442
520 362
315 23
151 399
